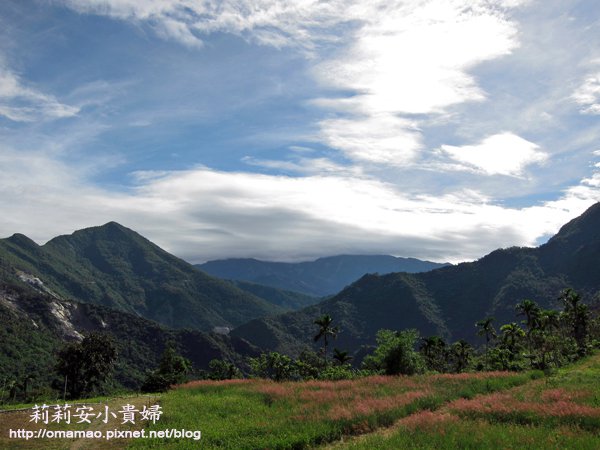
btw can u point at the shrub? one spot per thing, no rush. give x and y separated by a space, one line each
395 354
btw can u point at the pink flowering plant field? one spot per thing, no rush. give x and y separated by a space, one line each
265 414
561 411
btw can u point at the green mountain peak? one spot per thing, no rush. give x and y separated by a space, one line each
114 266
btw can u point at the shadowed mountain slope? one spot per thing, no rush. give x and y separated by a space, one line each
34 325
448 301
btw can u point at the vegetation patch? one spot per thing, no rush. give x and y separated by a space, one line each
265 414
559 411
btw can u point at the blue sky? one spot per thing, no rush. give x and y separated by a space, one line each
438 129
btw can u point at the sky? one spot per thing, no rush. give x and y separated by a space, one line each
287 131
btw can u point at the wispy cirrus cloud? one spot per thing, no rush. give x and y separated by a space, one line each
377 138
302 24
22 103
305 166
390 59
587 95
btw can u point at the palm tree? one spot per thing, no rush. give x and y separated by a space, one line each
549 319
462 351
430 344
577 316
342 357
570 298
433 349
511 334
531 311
486 329
325 330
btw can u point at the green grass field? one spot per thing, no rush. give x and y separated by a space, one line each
480 410
558 412
263 414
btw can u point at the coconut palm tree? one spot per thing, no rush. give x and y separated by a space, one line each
486 329
342 357
531 311
549 320
511 335
462 352
325 330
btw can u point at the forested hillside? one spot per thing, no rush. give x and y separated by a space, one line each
449 301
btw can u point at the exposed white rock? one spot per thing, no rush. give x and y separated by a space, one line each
63 315
221 330
36 283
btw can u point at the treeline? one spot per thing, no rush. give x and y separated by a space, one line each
543 339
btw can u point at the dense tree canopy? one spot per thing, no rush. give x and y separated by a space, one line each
86 365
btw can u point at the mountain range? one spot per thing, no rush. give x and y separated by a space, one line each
447 301
110 278
322 277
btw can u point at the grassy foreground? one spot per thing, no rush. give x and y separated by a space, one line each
562 411
481 410
247 414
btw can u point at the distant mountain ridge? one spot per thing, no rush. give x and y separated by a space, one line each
113 266
448 301
324 276
289 300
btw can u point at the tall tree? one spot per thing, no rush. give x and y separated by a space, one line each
549 320
434 351
486 328
325 330
576 315
462 353
512 334
172 369
86 365
223 370
531 311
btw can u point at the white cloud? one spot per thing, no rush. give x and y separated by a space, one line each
381 138
300 24
388 69
21 103
408 58
204 214
305 166
500 154
412 57
588 95
394 58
